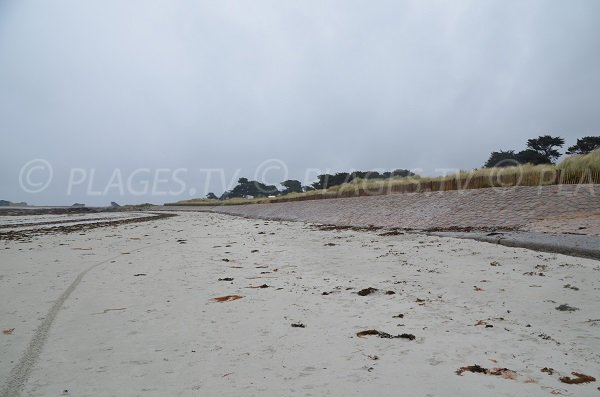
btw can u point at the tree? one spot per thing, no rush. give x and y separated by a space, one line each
377 175
327 180
340 178
373 175
322 181
547 146
211 196
584 145
246 188
402 173
226 194
291 186
530 156
503 158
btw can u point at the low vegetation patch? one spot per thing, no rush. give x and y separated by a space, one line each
576 169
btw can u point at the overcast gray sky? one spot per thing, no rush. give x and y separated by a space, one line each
328 85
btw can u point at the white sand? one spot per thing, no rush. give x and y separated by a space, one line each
161 335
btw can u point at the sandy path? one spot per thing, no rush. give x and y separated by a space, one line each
142 322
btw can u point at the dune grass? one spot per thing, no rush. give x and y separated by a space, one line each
588 162
572 170
468 177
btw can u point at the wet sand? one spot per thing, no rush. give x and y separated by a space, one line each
130 310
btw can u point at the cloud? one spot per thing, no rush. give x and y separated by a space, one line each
318 84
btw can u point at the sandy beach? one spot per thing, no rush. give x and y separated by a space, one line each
130 310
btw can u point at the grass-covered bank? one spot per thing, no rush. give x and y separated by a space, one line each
581 169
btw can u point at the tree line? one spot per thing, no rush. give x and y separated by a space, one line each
248 188
541 150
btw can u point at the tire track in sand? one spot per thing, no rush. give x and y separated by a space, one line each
19 375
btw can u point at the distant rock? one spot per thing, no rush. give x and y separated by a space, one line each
114 205
6 203
78 205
